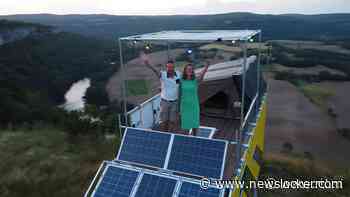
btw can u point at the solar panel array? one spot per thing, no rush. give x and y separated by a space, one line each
123 181
186 154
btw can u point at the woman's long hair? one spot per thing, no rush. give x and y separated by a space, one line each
184 73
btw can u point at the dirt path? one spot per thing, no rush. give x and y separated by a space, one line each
293 118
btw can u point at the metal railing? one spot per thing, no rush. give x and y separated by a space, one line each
145 115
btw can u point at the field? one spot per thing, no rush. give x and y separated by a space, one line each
294 119
46 162
233 49
307 118
317 45
306 113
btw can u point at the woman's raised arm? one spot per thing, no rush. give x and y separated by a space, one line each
203 72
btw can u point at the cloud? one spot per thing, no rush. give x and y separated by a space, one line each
271 6
173 7
48 6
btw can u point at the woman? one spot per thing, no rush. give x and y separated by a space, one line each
189 101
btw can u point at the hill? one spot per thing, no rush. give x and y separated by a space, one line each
43 162
38 67
293 26
15 30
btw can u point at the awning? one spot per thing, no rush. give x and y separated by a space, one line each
195 35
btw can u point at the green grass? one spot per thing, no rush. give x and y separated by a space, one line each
138 87
46 162
317 94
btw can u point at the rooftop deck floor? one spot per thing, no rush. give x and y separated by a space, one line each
225 130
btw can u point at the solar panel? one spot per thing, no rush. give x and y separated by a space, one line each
154 186
194 190
116 181
144 147
198 156
206 132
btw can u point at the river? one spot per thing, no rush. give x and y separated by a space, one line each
75 100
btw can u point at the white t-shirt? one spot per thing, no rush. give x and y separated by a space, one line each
169 86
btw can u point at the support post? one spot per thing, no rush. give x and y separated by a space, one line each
123 77
119 127
240 131
258 77
243 80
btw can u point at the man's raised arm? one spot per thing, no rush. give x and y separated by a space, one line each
145 60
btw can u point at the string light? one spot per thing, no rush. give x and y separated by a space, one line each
147 46
189 51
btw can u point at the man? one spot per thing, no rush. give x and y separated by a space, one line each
170 80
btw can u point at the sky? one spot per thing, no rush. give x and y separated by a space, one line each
171 7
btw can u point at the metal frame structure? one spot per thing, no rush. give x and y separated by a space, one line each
194 36
179 37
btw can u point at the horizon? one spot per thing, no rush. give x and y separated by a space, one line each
180 7
106 14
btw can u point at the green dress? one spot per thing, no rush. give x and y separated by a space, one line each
189 104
